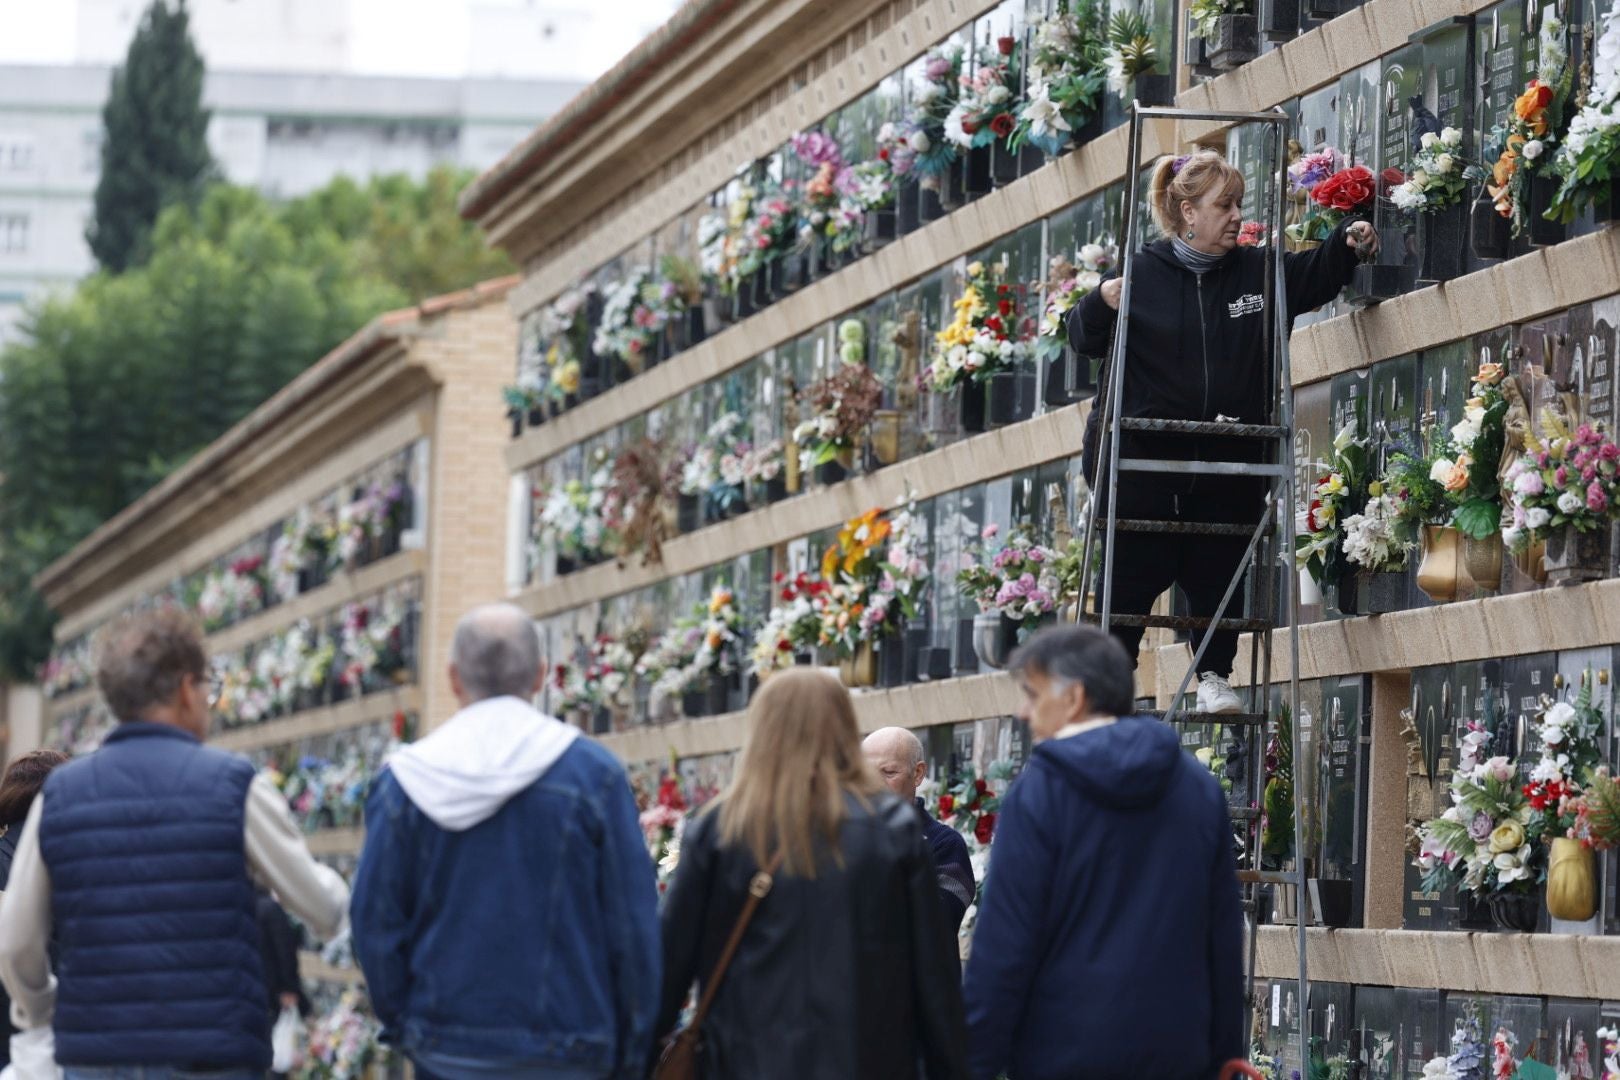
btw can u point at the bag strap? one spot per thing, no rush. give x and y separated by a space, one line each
758 888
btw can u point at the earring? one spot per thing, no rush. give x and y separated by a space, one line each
1191 235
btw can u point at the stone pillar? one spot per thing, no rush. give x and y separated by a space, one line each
1386 802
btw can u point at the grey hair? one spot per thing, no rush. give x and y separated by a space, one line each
141 660
904 736
1084 655
496 652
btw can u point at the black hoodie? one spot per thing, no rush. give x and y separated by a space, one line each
1196 345
1109 936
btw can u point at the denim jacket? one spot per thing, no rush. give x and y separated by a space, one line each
530 938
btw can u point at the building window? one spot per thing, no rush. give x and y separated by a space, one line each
16 153
13 234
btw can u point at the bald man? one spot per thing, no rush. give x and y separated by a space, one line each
897 755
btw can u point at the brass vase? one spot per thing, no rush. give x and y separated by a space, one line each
885 436
1482 559
1439 573
1571 881
860 668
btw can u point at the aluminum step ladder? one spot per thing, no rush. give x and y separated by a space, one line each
1271 539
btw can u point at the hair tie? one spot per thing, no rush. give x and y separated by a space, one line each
1179 163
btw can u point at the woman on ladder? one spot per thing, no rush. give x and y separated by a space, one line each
1196 349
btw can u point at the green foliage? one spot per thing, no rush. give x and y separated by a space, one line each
1277 800
110 388
154 151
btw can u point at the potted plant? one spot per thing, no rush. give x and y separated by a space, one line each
1068 375
1520 183
1433 189
1230 30
839 408
1132 60
1016 589
1563 491
982 342
1065 79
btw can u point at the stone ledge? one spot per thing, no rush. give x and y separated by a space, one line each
327 720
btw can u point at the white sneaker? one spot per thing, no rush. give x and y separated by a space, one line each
1215 695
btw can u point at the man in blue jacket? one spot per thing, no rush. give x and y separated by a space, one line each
1109 937
505 908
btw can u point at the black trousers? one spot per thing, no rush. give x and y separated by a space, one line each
1147 564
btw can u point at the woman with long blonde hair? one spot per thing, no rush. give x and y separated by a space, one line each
845 970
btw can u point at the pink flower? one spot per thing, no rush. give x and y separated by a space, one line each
1561 476
1596 499
1609 452
989 531
938 68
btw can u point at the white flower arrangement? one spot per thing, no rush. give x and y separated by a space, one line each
1371 539
1436 180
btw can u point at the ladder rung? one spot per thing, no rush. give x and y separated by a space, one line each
1268 877
1168 112
1203 468
1236 719
1182 528
1203 427
1184 622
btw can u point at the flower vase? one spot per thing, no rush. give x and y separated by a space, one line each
776 489
1155 89
970 406
881 227
1574 556
978 174
1279 20
859 669
1441 241
965 660
1473 912
764 284
1084 133
891 659
1541 231
907 196
1327 9
931 197
1235 42
1030 158
697 325
1003 164
915 652
516 418
795 273
1373 282
742 301
1482 560
1331 901
565 565
1571 881
694 702
884 437
1069 378
1009 396
1490 234
1606 203
717 696
1439 575
836 470
1515 910
1372 593
994 637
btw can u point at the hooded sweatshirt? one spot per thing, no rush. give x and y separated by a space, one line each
1109 937
465 771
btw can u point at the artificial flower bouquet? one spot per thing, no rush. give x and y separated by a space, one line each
1333 189
972 803
1487 841
770 232
987 104
1570 478
1067 284
838 409
1323 543
714 471
983 337
232 593
875 578
635 314
570 518
830 217
1206 13
930 153
1019 580
793 624
1525 141
1437 178
343 1043
1468 466
1132 50
1590 149
703 648
1065 76
662 823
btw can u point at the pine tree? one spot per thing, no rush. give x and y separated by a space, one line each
154 150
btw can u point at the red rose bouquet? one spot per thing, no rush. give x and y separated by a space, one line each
1331 190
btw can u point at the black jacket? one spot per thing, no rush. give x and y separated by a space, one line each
1109 944
279 940
1196 345
844 977
8 849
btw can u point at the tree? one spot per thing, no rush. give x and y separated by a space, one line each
154 150
114 386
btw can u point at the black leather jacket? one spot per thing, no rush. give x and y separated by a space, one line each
849 976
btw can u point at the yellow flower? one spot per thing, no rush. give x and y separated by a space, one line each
568 377
719 601
974 269
553 354
1508 836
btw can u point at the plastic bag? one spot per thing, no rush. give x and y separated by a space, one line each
33 1056
287 1040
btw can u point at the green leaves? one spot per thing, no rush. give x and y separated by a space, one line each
1478 518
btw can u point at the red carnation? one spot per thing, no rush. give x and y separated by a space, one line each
1006 45
784 646
969 127
1004 306
985 829
780 577
1347 189
399 724
947 803
883 155
981 786
993 324
1002 125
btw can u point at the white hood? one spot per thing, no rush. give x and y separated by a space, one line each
488 752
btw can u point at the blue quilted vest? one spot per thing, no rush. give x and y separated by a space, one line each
152 906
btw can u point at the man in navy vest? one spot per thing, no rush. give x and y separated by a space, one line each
505 910
141 860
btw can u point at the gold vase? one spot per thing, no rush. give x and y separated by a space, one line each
1571 881
860 668
1441 568
1482 560
792 478
885 435
1532 562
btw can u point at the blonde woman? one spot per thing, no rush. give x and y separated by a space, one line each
1197 350
845 971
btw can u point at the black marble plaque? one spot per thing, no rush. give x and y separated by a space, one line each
1400 80
1421 1034
1571 1033
1444 376
1378 1025
1436 705
1332 1016
1595 379
1340 777
1500 51
1447 97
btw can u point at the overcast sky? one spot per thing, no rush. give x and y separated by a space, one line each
393 37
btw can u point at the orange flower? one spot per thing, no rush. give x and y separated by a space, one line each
721 599
1531 106
829 562
1489 374
1457 478
714 640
